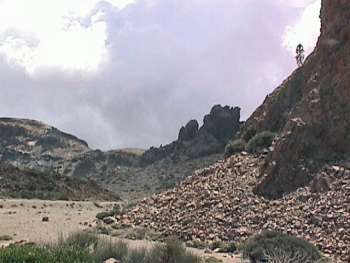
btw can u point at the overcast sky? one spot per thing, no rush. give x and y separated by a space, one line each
124 73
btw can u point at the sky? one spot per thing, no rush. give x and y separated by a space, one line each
130 73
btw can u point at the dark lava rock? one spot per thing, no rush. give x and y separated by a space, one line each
218 127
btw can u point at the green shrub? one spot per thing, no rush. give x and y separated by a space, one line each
5 238
36 254
136 256
235 146
249 134
137 233
83 240
86 250
197 243
115 211
172 251
279 247
70 254
107 248
27 254
223 247
261 140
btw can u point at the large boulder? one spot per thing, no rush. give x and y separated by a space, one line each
222 122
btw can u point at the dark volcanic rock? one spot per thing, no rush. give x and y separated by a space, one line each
218 127
222 122
310 110
188 132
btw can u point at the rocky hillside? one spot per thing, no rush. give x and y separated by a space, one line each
130 173
310 110
16 183
32 144
306 171
218 203
194 141
134 176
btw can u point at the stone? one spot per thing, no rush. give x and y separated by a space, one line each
108 220
111 260
224 207
320 184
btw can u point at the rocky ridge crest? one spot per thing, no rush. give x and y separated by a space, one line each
194 142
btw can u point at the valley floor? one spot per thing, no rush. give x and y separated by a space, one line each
22 220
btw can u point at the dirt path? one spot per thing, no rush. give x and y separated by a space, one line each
22 220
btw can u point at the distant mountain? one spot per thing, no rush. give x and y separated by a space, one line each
28 184
306 171
32 144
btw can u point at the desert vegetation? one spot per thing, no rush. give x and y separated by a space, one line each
235 146
277 247
260 141
88 248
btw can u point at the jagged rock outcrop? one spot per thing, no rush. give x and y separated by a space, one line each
221 122
310 110
189 132
29 144
218 127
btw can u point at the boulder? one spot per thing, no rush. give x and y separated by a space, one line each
320 184
111 260
222 122
108 220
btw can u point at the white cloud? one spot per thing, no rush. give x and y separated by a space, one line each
307 29
131 77
298 3
60 40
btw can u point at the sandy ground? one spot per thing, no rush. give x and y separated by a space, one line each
23 221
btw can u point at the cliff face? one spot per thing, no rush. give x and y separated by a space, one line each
310 110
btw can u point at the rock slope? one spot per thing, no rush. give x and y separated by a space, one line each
218 203
310 110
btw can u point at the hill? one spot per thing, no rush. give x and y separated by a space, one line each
310 111
218 203
131 173
302 185
35 145
27 184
